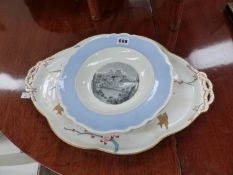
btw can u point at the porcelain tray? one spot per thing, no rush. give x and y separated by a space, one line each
192 95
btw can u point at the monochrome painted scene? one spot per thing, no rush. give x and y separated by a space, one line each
115 83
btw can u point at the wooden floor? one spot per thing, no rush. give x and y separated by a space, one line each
197 30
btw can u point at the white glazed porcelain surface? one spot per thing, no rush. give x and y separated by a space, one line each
120 55
189 99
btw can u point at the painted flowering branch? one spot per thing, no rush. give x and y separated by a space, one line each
103 139
195 77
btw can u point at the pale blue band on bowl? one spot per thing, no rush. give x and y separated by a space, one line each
131 119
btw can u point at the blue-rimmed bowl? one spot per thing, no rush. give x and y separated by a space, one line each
115 83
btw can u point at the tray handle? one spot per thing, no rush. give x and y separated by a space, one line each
208 96
31 75
30 78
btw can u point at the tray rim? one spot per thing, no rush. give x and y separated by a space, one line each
207 87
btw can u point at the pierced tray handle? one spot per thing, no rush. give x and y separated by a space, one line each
30 77
208 96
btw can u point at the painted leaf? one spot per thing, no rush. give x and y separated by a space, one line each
163 120
59 109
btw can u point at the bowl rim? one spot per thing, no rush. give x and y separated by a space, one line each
145 120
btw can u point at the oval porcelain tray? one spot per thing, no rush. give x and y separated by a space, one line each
115 83
192 95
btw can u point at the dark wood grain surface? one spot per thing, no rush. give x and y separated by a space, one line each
197 30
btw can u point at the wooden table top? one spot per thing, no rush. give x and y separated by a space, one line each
197 30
